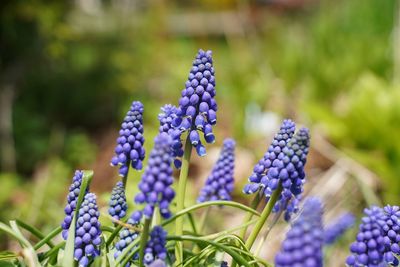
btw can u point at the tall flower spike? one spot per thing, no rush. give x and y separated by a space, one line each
72 198
87 239
166 118
369 247
197 106
288 169
155 186
391 232
127 236
336 229
219 185
117 204
258 179
129 149
155 248
304 241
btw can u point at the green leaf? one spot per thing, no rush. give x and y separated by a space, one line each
208 204
236 256
34 231
7 255
47 238
6 264
68 259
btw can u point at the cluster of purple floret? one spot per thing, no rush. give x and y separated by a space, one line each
282 167
129 150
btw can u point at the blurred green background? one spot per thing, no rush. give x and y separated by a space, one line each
70 69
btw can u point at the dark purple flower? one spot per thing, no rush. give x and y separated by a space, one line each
127 236
369 247
155 248
129 149
197 106
219 185
304 241
391 233
166 118
336 229
87 235
155 186
117 204
72 199
258 180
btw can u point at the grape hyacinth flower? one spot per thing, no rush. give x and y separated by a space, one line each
155 186
258 180
391 233
219 185
197 106
129 149
304 241
166 118
127 236
155 248
87 236
335 230
369 247
117 204
72 199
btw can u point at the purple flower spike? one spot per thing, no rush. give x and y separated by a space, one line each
258 179
304 241
335 230
197 107
118 205
72 198
391 233
129 150
219 185
155 248
87 236
126 237
155 186
369 247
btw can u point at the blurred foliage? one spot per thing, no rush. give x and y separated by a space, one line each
76 68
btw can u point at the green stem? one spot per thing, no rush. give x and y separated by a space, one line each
33 230
113 235
143 240
270 226
253 205
264 216
125 178
181 198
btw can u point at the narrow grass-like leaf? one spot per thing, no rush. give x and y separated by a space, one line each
47 238
208 204
236 256
7 255
28 251
34 231
68 259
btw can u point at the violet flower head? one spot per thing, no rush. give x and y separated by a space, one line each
87 235
336 229
258 180
155 248
166 118
369 247
219 185
155 186
129 149
197 106
117 204
72 199
391 232
126 237
304 241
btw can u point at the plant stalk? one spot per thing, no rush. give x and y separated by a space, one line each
125 178
143 240
249 216
263 218
181 199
